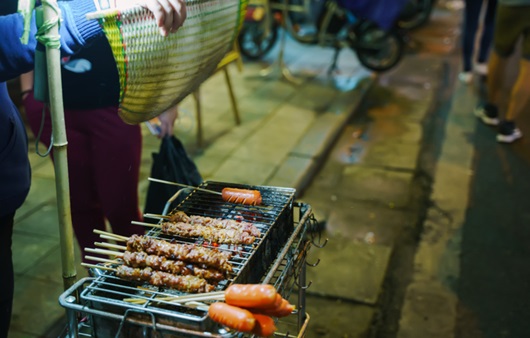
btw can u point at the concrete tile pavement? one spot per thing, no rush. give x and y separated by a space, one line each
285 132
367 192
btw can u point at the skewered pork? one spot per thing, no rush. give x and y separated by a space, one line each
216 235
184 252
143 260
158 278
217 223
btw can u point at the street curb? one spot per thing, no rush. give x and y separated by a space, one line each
348 106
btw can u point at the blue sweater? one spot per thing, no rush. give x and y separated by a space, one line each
15 59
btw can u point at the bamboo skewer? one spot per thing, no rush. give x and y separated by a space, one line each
184 185
102 260
110 245
110 234
112 238
218 295
155 216
95 266
105 252
145 224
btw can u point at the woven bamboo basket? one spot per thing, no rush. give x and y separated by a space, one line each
157 72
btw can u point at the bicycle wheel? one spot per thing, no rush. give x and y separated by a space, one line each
254 42
377 49
419 15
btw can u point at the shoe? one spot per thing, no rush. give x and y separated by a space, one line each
488 114
481 69
508 132
465 77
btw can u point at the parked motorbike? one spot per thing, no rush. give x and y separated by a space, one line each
322 22
416 13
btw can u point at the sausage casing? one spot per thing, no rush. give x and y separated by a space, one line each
234 317
241 196
283 310
264 326
251 295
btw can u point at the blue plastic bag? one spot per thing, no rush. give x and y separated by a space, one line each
384 13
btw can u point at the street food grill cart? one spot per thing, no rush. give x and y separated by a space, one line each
107 306
101 306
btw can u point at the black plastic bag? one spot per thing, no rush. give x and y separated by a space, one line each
173 164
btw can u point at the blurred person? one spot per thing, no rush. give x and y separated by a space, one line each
104 153
472 15
511 24
17 58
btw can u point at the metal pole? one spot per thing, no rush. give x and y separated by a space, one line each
59 144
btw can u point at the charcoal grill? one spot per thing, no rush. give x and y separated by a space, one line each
97 306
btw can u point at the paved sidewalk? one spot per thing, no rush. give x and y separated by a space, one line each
285 134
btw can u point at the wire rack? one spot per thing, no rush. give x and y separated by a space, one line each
287 273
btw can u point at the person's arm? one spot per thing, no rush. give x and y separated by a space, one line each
167 121
75 31
26 84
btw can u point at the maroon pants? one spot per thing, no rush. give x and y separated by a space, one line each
103 166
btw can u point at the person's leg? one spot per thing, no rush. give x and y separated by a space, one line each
514 23
7 284
496 69
487 31
85 209
87 213
519 97
471 18
504 38
116 148
489 112
520 93
507 31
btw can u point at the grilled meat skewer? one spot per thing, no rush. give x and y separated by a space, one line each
217 223
160 263
184 252
158 278
216 235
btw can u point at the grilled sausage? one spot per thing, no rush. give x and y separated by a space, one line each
283 310
242 196
264 326
234 317
251 295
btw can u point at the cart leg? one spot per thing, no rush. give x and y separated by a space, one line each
71 315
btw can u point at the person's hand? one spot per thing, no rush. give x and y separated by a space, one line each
169 14
167 121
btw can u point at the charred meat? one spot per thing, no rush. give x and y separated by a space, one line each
216 223
191 284
183 252
144 260
211 234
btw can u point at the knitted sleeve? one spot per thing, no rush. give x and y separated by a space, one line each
75 32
